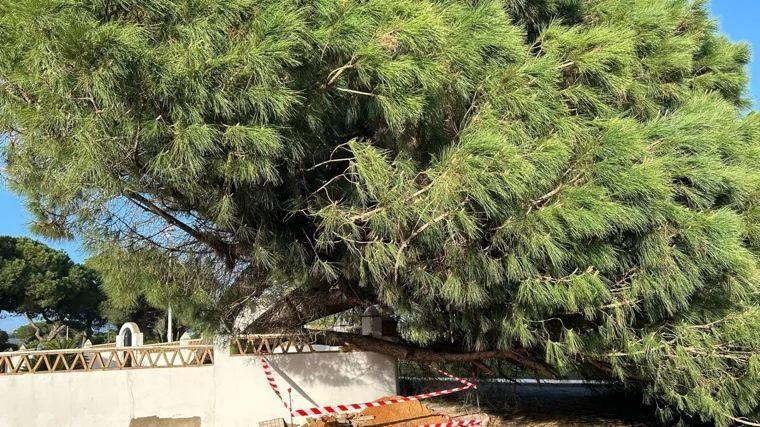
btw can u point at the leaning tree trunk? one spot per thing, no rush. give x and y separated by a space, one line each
402 351
307 304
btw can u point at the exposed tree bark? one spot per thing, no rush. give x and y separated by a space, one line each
87 332
56 329
37 331
306 304
402 351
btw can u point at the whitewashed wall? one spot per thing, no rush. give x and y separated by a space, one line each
232 392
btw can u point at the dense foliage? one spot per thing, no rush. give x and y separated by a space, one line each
4 344
141 286
42 283
575 181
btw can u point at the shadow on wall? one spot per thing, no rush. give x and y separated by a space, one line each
303 372
338 374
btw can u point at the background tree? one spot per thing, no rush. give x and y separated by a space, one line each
141 287
41 283
566 184
4 344
27 334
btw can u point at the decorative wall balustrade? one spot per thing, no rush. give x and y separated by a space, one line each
193 341
246 345
105 359
108 357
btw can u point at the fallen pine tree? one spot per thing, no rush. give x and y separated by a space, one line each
566 185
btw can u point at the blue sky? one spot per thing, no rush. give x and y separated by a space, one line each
738 19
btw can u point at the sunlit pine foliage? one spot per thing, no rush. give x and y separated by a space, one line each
574 179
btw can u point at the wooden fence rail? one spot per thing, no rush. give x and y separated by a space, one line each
105 359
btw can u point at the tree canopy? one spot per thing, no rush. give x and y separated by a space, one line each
568 184
41 283
4 344
141 287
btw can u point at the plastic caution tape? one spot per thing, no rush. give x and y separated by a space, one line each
272 382
455 423
335 409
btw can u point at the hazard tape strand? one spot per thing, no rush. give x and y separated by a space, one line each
455 423
335 409
272 382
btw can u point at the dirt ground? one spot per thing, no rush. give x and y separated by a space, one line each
575 414
407 414
548 407
545 406
500 404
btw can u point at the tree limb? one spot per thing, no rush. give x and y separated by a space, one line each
224 249
37 332
306 304
334 74
744 421
56 329
402 351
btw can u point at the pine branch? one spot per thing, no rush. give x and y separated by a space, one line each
542 200
403 351
365 215
355 92
334 74
416 233
226 250
743 421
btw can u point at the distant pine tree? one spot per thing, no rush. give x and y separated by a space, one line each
49 290
571 185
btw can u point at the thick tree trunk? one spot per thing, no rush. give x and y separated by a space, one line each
401 351
87 333
54 332
56 329
306 304
37 331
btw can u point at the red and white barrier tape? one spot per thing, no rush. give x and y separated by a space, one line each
455 423
272 382
357 406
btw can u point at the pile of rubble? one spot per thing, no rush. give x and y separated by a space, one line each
405 414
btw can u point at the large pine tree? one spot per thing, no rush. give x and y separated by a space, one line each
48 289
568 184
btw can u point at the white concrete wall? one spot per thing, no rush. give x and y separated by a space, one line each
232 392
